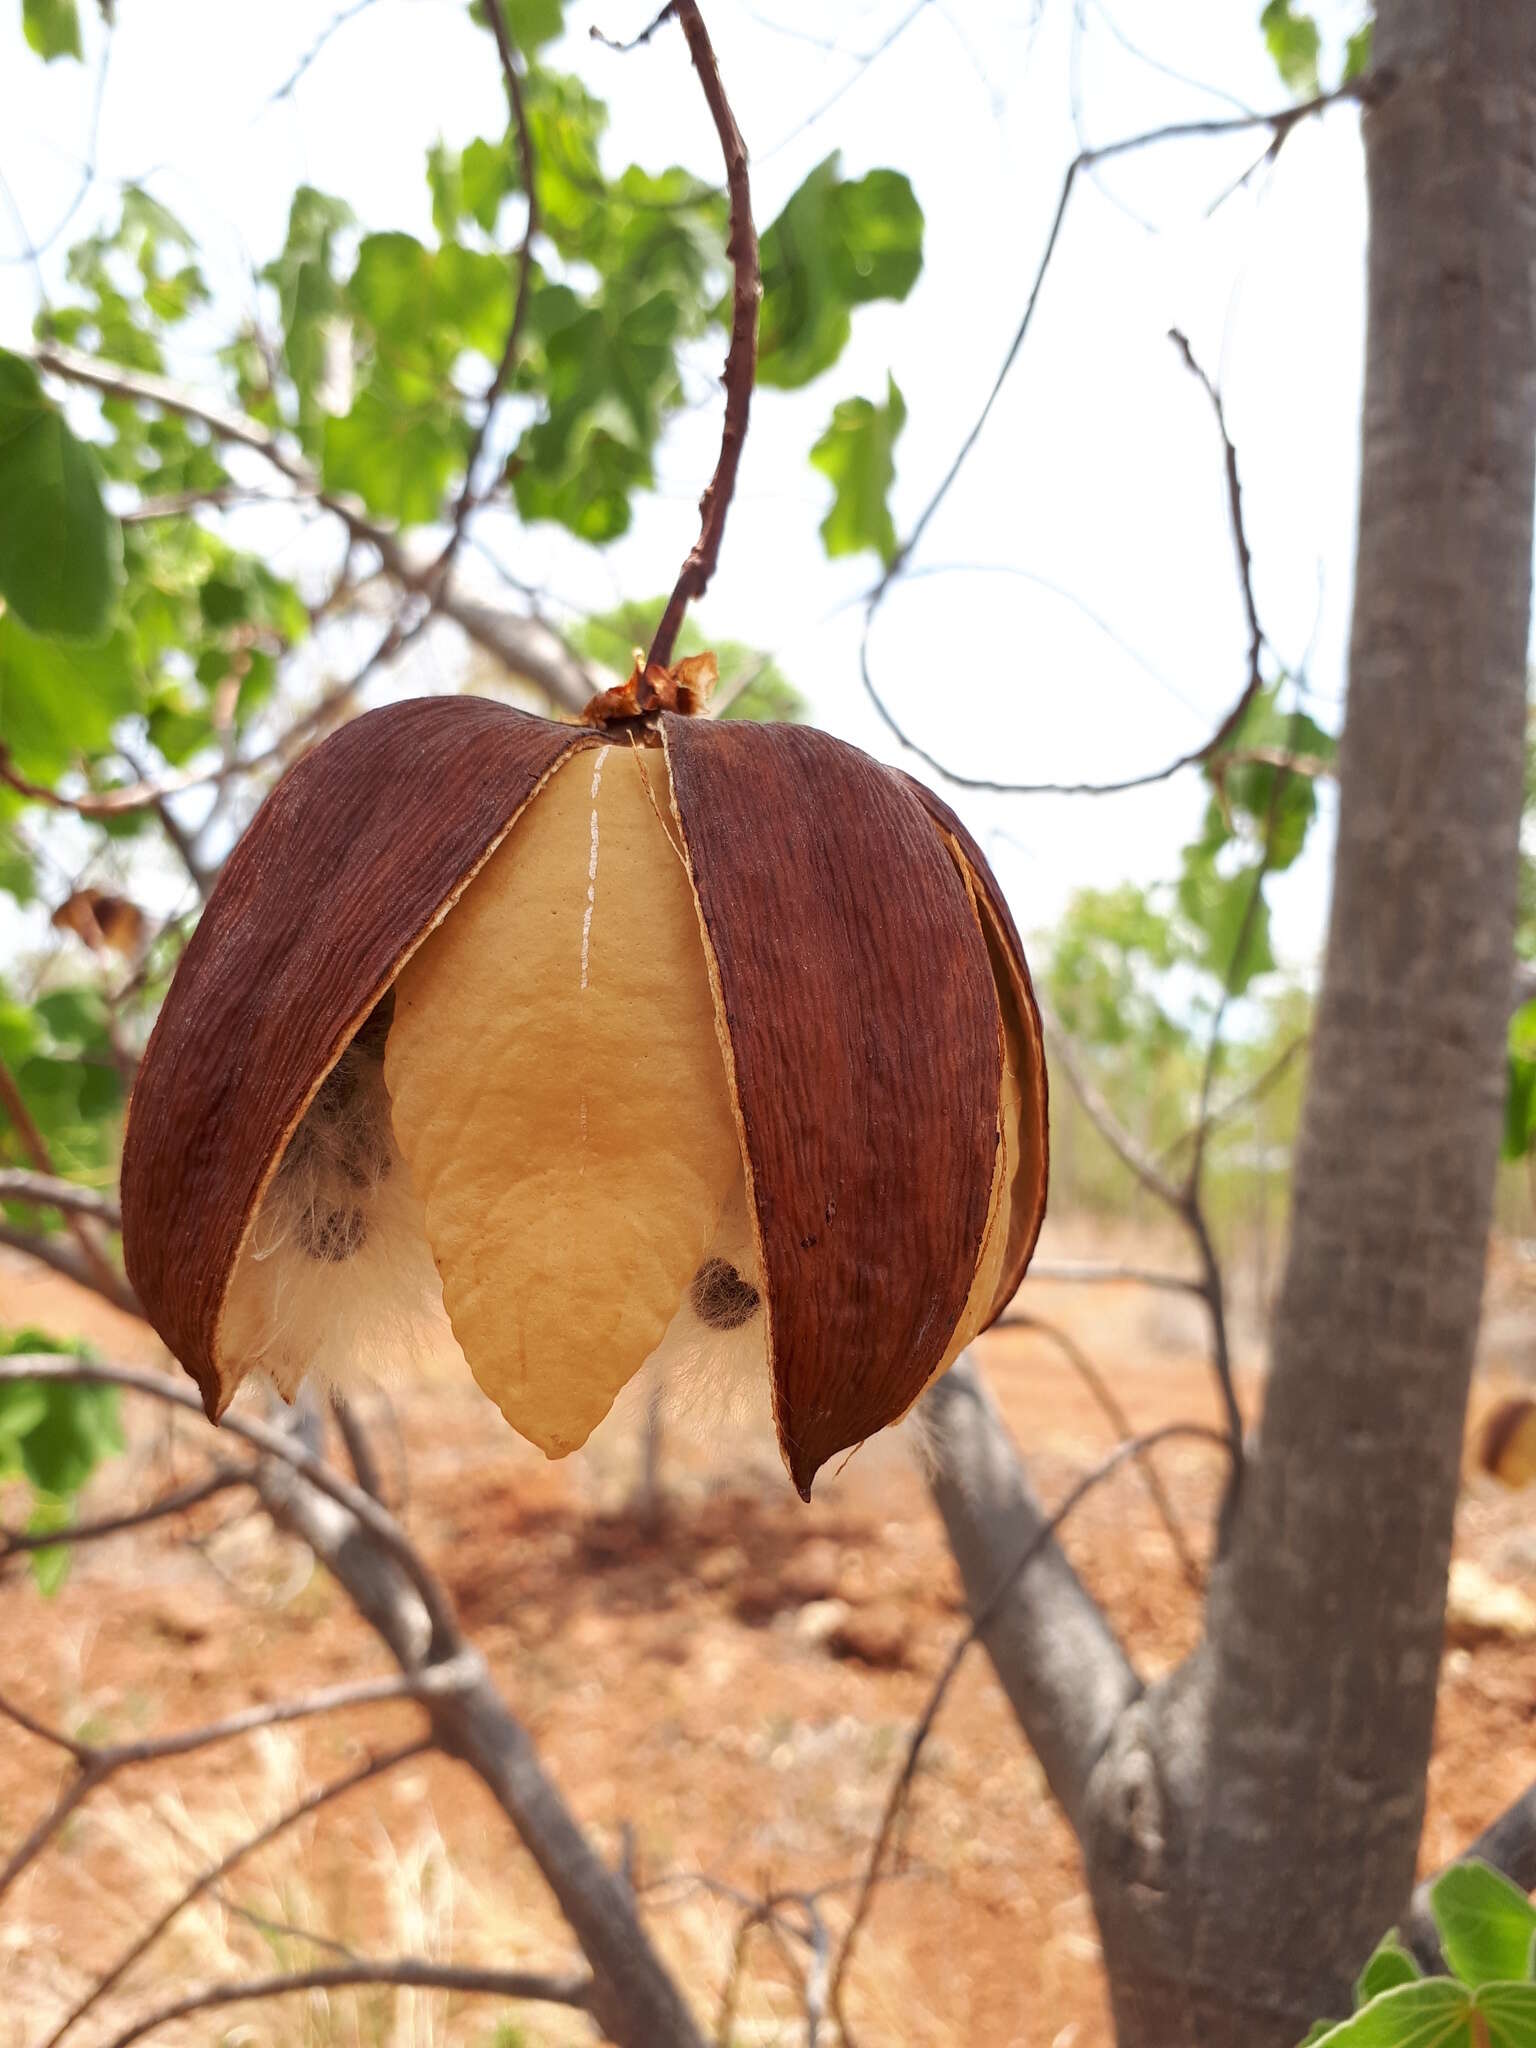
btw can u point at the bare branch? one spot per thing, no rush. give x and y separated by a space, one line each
1251 1092
380 1525
741 356
1093 1273
301 1810
365 1466
27 1852
97 1764
1280 125
1066 1676
1103 1118
1109 1402
1183 1201
69 1260
635 1998
105 1276
465 504
221 1480
1038 1548
317 48
529 648
573 1989
48 1191
430 1681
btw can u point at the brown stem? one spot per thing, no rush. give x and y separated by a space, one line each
741 357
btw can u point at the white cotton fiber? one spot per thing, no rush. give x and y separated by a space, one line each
336 1279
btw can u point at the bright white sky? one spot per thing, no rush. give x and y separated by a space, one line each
1100 472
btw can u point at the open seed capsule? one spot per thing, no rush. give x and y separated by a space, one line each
654 1038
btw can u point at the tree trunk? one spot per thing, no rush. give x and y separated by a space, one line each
1250 1825
1277 1835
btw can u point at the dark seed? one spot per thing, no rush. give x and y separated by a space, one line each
332 1235
721 1298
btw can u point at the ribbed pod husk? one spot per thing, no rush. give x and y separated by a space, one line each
871 1005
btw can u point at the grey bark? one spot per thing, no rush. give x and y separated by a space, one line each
633 1995
1250 1825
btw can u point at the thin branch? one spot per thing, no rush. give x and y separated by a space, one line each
1093 1273
216 497
48 1191
146 795
380 1525
526 647
496 15
1183 1201
1280 124
67 1259
27 1852
1110 1404
1103 1118
638 42
431 1680
982 1618
108 803
317 48
365 1466
105 1277
222 1480
1066 1675
97 1764
635 1999
34 250
741 356
286 1930
1245 1097
573 1989
855 77
301 1810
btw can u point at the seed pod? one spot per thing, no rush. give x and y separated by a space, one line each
652 1038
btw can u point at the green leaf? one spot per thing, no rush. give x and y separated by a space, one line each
488 172
52 27
60 549
397 462
50 1566
1519 1107
77 1428
1294 44
1231 922
837 244
1486 1923
1389 1966
857 454
529 22
1509 2013
309 295
58 699
1357 54
1434 2013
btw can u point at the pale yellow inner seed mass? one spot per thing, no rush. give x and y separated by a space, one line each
558 1091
